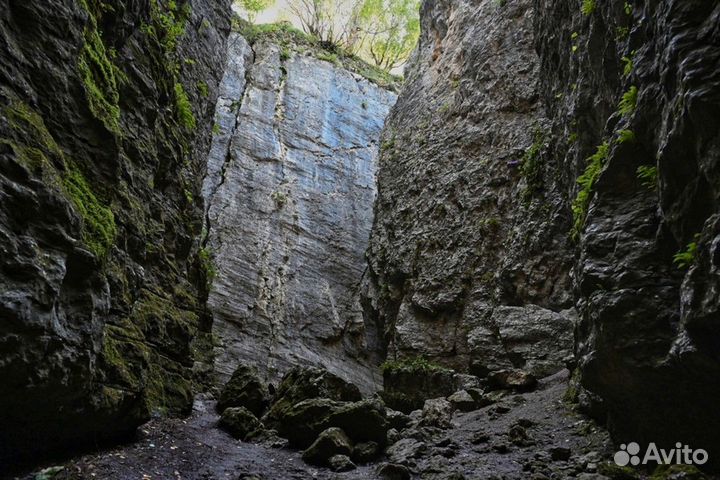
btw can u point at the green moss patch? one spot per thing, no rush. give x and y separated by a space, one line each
39 151
183 108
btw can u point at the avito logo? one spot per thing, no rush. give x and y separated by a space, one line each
682 454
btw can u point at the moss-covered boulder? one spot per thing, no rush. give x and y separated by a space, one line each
302 422
244 389
409 382
363 421
332 441
303 383
240 423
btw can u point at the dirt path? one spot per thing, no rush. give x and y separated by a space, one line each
533 435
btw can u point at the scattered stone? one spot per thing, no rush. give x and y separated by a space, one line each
405 449
463 401
365 452
397 420
392 436
393 471
525 422
464 381
518 380
501 448
616 472
519 436
332 441
560 454
437 413
240 423
341 463
244 389
480 437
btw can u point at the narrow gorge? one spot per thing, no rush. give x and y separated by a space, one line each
236 250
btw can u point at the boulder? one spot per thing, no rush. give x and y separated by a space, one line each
301 423
303 383
437 413
406 449
463 401
240 423
363 421
397 420
393 471
365 452
341 463
518 380
244 389
406 387
330 442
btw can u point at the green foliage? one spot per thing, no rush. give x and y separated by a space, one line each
203 89
627 64
392 28
588 7
98 220
628 101
626 136
531 168
100 78
207 265
280 199
329 57
648 176
291 39
216 129
685 258
183 107
254 7
169 23
285 54
627 8
412 364
587 181
621 33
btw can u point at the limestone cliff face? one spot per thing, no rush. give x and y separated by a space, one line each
468 259
105 116
544 164
289 191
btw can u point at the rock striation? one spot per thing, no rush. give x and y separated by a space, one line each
105 118
289 189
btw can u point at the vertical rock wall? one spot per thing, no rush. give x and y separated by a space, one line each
641 79
468 259
105 116
289 192
568 158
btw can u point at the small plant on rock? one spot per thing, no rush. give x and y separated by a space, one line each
685 258
629 101
648 176
588 7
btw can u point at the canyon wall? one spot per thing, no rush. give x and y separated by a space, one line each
289 189
105 117
554 165
468 258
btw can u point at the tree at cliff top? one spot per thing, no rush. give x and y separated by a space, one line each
254 7
391 29
383 31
